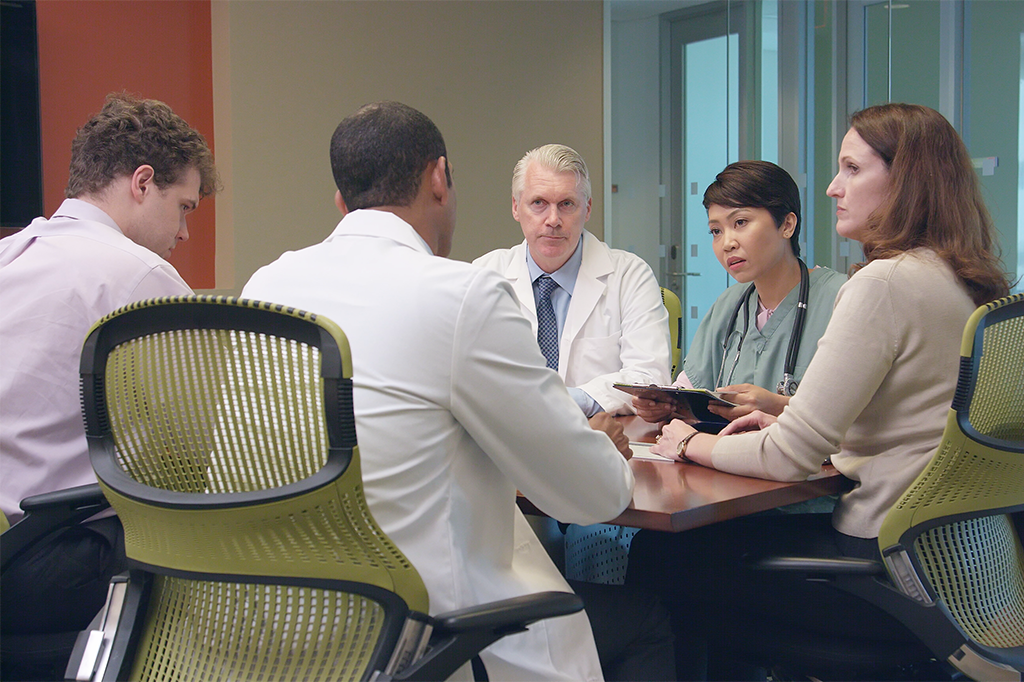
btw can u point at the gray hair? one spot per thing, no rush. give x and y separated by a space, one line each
556 157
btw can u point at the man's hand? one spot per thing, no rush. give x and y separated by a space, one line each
652 410
749 398
656 411
602 421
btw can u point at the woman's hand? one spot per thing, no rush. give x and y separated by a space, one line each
668 441
753 421
749 398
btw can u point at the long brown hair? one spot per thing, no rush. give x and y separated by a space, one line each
934 200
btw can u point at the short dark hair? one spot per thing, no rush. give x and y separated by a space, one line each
130 132
758 184
379 153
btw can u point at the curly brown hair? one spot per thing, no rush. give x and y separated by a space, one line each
934 200
130 132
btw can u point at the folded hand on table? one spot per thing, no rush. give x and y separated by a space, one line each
668 442
602 421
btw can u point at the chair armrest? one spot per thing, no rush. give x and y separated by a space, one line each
460 635
508 615
837 566
72 499
48 513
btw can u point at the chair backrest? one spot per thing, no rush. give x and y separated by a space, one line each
949 538
675 326
222 432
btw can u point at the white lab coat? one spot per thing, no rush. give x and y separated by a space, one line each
616 329
455 410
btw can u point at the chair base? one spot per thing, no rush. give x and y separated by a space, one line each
806 655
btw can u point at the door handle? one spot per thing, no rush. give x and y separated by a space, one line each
684 274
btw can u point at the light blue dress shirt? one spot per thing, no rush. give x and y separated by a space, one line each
565 277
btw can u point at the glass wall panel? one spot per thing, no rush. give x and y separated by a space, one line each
993 76
710 130
910 46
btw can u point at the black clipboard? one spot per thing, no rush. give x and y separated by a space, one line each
697 399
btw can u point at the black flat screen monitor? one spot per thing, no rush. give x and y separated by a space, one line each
21 180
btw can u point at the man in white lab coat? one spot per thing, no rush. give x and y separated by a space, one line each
454 407
611 323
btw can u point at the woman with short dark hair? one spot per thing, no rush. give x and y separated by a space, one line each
756 340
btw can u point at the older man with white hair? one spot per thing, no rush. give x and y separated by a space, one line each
597 311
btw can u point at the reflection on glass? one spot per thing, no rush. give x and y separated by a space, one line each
901 52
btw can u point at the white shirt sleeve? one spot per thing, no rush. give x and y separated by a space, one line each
521 415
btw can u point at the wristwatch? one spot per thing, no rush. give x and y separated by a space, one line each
681 448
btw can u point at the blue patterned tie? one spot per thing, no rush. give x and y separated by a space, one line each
547 325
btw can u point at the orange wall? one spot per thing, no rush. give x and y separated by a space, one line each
159 50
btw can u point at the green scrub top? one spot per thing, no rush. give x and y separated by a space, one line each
762 358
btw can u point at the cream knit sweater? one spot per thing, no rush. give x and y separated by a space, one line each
876 394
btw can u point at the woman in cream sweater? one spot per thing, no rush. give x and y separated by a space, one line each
886 368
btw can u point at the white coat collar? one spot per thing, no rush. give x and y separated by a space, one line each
591 283
383 224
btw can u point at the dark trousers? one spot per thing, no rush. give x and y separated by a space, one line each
56 589
720 604
632 631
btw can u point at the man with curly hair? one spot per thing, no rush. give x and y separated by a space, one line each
137 171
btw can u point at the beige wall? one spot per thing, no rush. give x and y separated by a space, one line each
498 78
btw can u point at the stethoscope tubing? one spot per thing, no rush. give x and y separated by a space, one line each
788 384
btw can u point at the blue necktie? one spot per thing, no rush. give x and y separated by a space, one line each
547 325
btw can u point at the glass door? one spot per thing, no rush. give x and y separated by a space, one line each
714 80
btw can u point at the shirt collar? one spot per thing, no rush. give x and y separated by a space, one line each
83 210
564 276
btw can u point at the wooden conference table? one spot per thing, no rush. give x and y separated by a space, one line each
671 496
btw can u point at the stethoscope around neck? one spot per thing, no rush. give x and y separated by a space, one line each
789 383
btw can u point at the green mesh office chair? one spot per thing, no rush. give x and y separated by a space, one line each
222 432
952 554
675 326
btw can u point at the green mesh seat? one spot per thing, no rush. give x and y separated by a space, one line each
675 326
223 434
950 542
953 569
